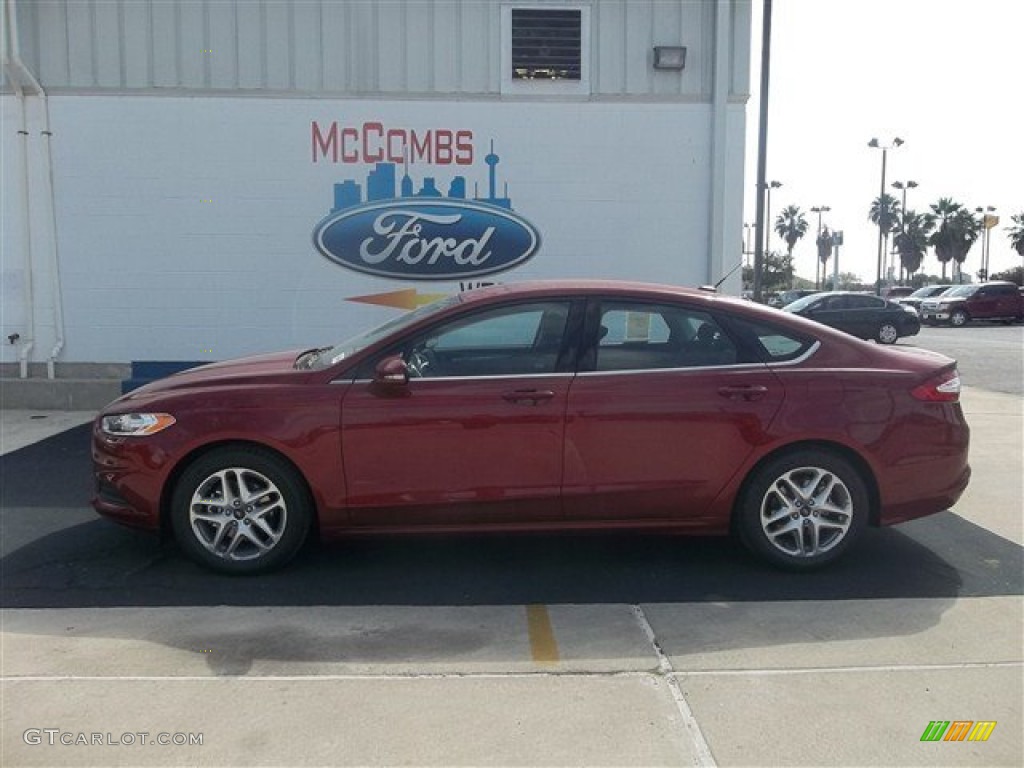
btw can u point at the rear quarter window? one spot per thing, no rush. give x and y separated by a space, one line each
773 343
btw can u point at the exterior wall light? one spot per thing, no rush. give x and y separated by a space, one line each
669 57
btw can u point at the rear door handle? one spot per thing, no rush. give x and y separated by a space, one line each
528 396
746 392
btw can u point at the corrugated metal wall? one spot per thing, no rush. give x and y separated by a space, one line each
356 47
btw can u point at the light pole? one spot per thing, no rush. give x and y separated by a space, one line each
903 186
819 209
748 232
768 216
875 144
837 240
987 222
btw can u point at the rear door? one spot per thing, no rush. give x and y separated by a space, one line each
1007 299
864 315
984 303
665 409
833 311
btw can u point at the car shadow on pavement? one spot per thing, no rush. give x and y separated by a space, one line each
99 564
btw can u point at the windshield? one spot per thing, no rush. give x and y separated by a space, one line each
334 355
929 291
961 290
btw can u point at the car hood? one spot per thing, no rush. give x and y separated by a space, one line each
276 367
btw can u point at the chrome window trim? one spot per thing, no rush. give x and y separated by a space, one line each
558 375
683 369
565 375
733 366
797 360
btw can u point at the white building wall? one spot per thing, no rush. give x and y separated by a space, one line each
195 243
187 193
357 47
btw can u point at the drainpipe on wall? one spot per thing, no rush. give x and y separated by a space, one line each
17 75
718 269
58 299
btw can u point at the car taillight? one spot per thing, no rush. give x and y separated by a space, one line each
944 388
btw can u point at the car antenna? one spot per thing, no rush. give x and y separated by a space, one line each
714 288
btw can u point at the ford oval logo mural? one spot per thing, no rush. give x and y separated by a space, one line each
417 239
414 230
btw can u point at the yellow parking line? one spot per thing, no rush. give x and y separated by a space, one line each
543 646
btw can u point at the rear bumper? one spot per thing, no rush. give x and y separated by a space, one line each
937 501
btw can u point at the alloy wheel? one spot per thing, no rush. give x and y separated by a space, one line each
806 512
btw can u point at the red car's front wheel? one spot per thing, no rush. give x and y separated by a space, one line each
240 510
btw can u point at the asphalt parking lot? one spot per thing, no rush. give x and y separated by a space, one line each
529 650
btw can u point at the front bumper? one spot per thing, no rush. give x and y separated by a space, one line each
128 474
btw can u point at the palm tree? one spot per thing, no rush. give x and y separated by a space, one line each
1017 233
824 243
967 229
957 231
912 240
885 214
791 225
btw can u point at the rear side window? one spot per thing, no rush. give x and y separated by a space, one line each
865 302
774 344
640 336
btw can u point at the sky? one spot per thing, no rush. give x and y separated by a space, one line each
946 76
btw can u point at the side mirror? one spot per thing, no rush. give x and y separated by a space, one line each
392 372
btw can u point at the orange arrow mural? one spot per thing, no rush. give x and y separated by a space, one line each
407 298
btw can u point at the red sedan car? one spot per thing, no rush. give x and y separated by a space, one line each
544 406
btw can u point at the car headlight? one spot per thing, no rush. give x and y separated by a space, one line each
136 424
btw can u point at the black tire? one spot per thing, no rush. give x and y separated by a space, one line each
776 523
887 333
958 318
241 510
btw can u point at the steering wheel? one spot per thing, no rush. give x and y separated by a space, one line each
419 363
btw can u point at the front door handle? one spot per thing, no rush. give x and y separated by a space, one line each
528 396
747 392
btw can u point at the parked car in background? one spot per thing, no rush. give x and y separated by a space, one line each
859 314
926 292
545 406
983 301
788 297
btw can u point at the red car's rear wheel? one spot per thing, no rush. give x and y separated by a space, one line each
803 509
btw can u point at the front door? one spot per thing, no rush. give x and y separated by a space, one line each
476 435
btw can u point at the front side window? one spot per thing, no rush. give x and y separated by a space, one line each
634 336
524 339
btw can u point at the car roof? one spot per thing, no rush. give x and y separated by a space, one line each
582 286
614 289
844 293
